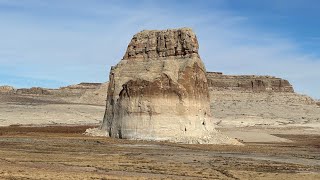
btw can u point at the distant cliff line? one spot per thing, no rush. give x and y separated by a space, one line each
216 81
254 83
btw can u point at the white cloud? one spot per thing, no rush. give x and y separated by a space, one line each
85 44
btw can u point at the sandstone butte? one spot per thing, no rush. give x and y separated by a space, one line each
159 91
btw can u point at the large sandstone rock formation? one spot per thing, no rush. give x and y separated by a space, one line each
159 91
252 83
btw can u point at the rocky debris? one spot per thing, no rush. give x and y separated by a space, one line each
159 91
95 132
253 83
7 90
318 102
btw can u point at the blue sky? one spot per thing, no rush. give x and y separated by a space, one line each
52 43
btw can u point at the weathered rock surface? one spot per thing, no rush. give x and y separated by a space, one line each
159 91
181 43
253 83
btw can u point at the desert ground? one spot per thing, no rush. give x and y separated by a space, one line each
63 152
43 110
45 140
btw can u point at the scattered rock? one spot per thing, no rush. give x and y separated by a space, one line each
95 132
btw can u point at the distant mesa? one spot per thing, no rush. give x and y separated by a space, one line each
251 83
83 85
159 91
83 93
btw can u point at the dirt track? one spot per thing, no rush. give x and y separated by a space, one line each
64 153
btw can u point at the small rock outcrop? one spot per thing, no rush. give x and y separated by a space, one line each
251 83
33 90
83 85
7 90
159 91
76 90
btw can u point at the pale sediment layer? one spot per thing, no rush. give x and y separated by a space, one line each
208 137
164 119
